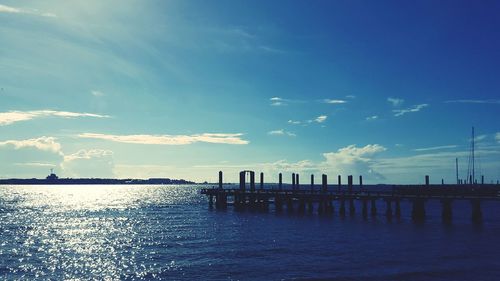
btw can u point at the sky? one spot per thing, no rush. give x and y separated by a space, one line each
182 89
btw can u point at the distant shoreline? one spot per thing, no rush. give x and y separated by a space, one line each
69 181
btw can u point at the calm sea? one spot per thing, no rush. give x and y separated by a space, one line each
169 233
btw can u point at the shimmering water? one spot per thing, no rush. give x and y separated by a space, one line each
169 233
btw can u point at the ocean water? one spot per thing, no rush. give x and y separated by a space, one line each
170 233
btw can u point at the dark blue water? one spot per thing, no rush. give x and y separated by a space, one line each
169 233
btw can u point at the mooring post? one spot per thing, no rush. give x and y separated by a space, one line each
339 178
477 214
242 181
252 181
349 183
361 181
446 213
312 183
442 181
220 179
261 180
482 179
293 181
297 181
427 181
324 184
280 181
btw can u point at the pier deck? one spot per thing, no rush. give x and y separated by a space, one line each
325 198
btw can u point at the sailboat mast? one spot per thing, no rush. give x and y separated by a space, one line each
473 159
456 168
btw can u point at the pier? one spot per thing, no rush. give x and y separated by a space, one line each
325 199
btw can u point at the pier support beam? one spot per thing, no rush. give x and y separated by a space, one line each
388 211
418 210
312 183
342 207
446 213
293 181
339 178
324 183
297 184
261 181
220 179
280 181
397 212
427 181
477 214
365 208
374 207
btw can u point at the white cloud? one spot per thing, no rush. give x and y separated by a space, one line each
490 101
436 148
332 101
371 118
353 160
7 118
321 119
416 108
89 163
170 139
395 101
13 10
41 143
281 132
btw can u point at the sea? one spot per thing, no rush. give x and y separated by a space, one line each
148 232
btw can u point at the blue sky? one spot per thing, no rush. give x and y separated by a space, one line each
183 89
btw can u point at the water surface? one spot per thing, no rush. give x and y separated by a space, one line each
170 233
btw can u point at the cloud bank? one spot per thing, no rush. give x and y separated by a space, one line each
416 108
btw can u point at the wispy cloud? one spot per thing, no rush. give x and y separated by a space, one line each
170 139
277 101
487 101
41 143
497 137
321 119
416 108
372 118
88 154
333 101
395 101
281 132
7 118
96 93
35 164
436 147
14 10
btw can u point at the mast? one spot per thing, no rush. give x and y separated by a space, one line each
456 168
473 159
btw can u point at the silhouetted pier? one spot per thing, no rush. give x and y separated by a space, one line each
325 198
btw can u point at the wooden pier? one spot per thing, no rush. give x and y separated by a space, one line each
325 198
